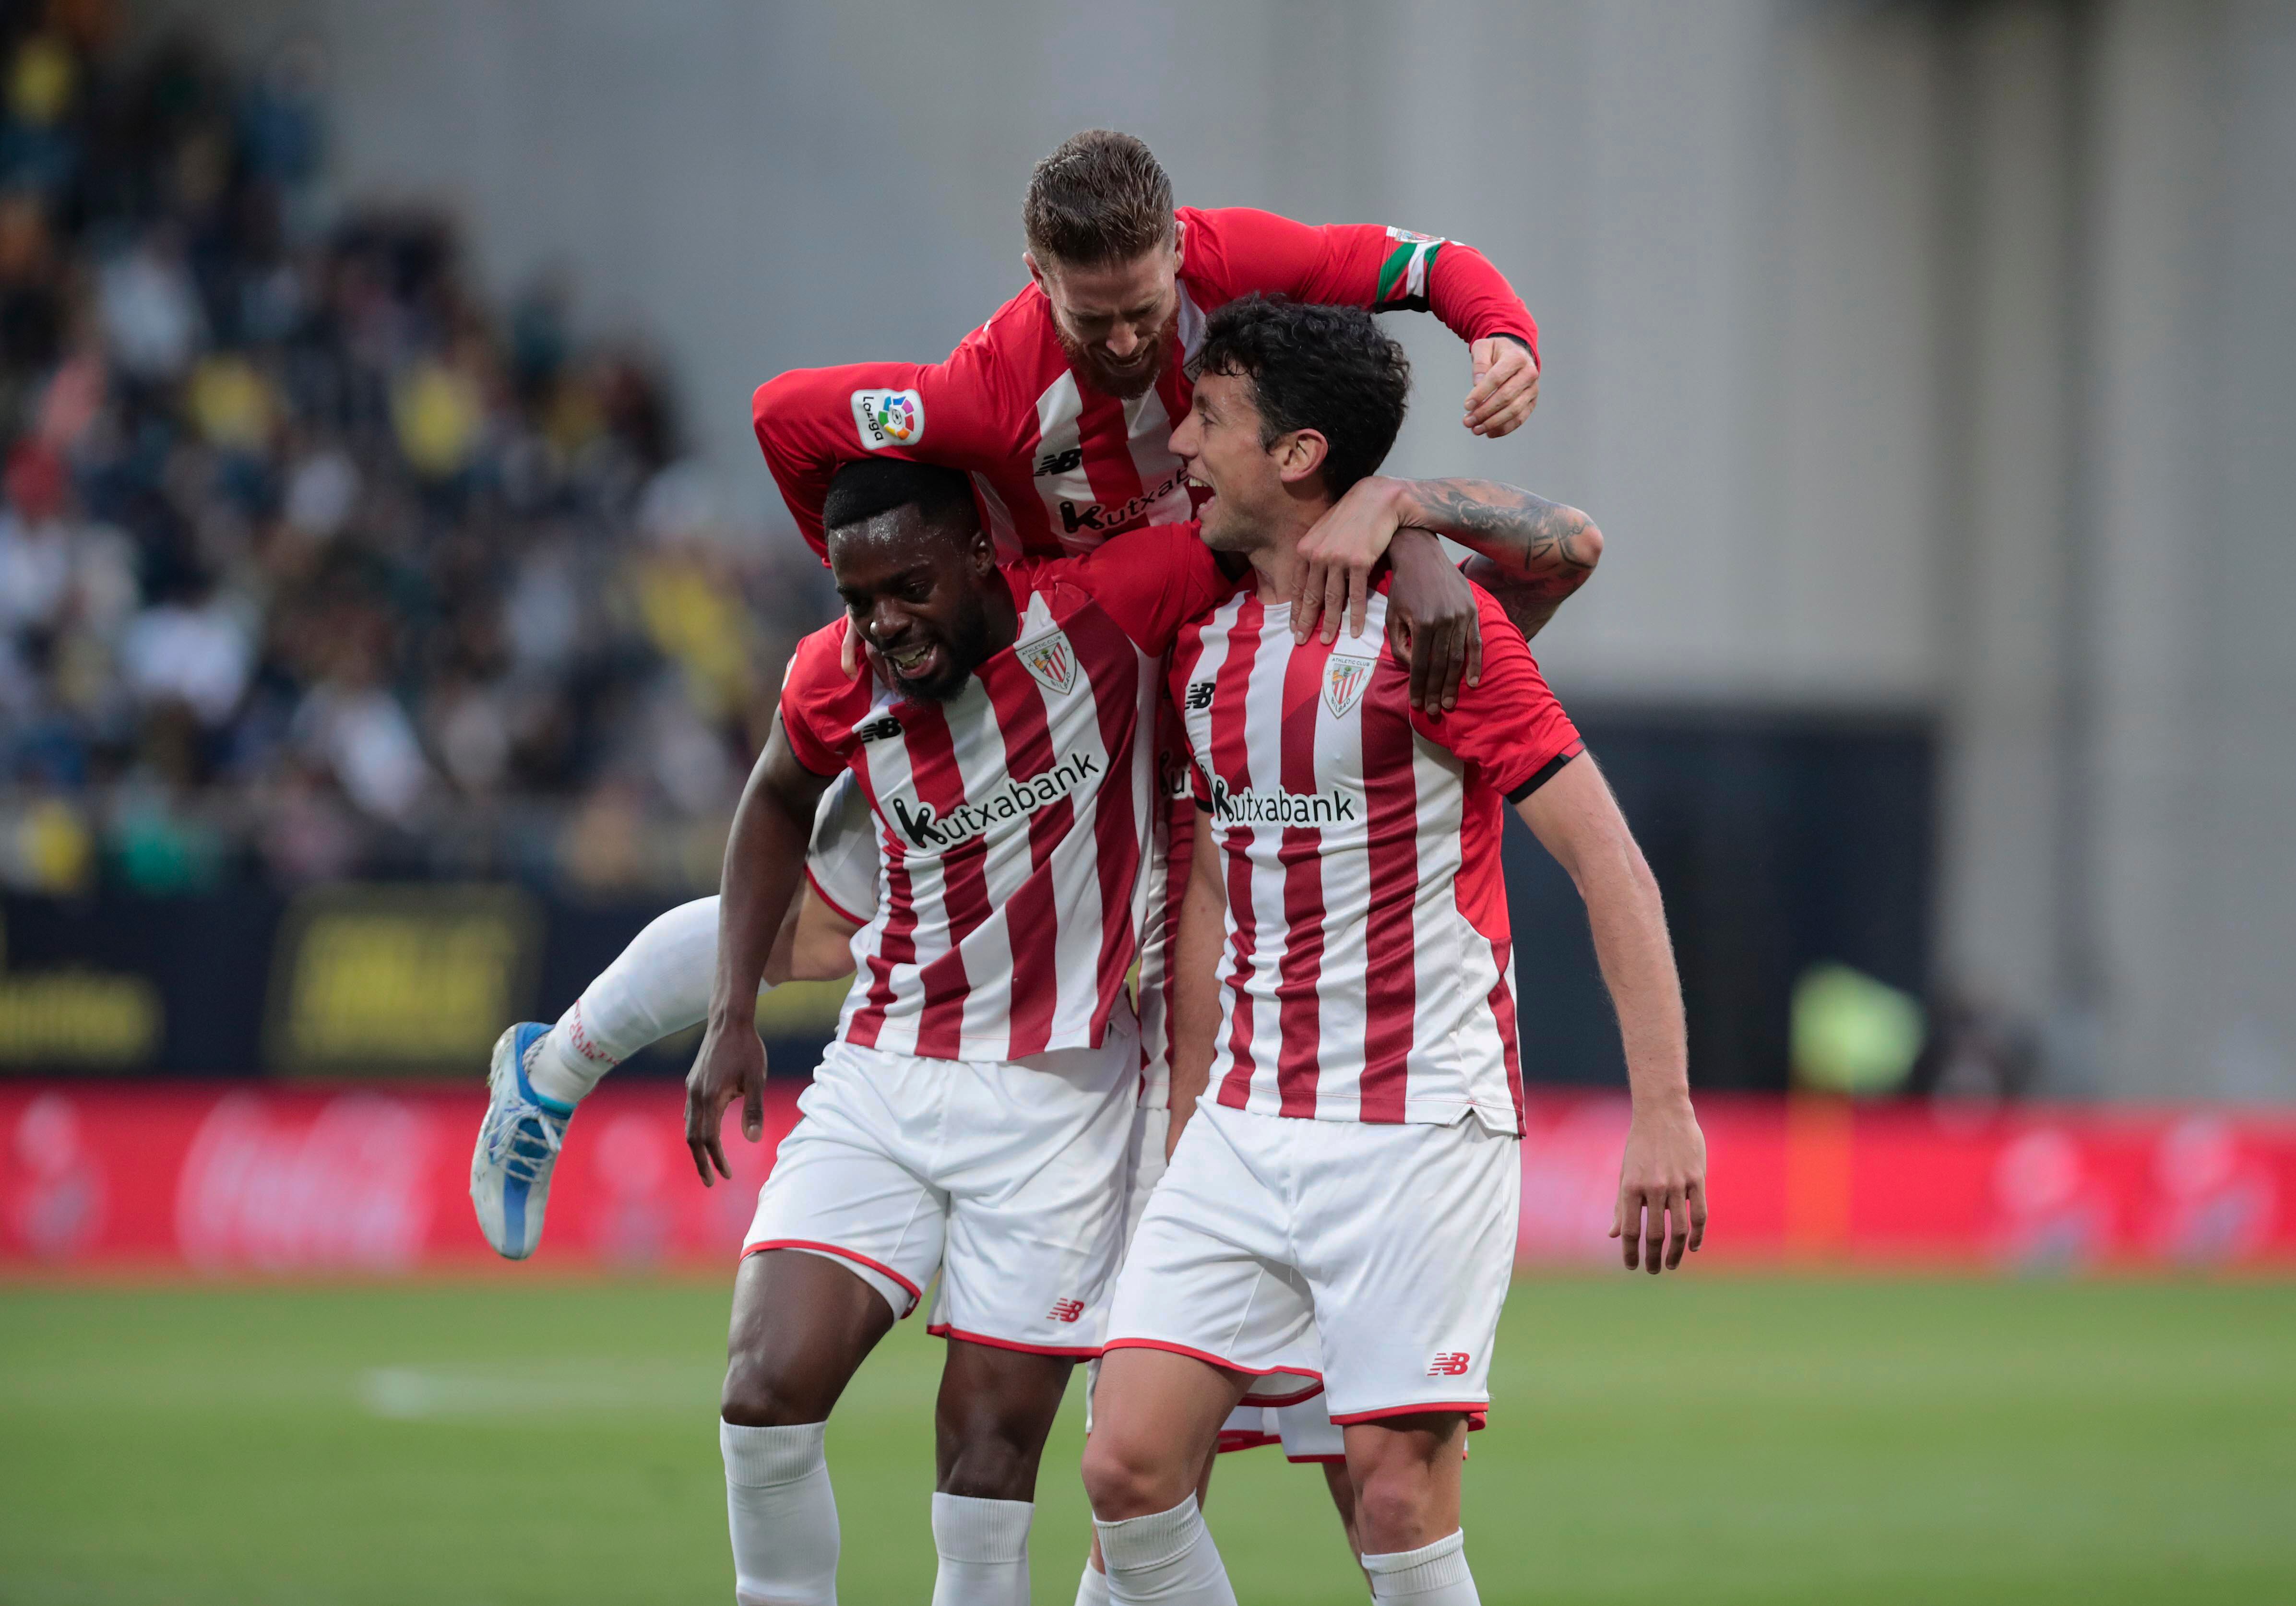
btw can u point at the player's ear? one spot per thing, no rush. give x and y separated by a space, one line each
982 550
1036 273
1300 455
1179 243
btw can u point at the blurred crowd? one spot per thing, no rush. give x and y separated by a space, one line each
311 563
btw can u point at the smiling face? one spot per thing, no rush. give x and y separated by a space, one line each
1256 484
925 597
1119 322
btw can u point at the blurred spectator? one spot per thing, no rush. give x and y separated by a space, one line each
310 564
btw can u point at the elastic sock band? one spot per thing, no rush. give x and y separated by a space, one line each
758 1458
991 1532
1409 1572
1150 1541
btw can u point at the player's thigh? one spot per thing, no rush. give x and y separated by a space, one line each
802 1325
995 1407
1408 1259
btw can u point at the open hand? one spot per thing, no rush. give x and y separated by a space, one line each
1661 1185
1507 387
731 1065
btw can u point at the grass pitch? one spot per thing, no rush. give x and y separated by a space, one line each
1717 1439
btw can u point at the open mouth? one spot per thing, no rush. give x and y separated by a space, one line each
913 663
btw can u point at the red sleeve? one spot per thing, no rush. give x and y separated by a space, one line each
1508 725
1149 581
812 421
820 703
1358 265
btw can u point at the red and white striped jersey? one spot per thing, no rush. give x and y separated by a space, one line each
1368 972
1058 467
1011 818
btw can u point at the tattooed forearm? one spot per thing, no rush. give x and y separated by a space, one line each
1531 553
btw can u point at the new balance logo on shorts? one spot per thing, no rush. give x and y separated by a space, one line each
1451 1362
1067 1310
1200 695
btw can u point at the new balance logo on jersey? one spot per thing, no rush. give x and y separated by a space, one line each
1344 680
881 729
889 418
925 828
1051 662
1451 1362
1257 808
1200 696
1067 1310
1060 462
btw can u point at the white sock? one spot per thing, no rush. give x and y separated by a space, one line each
656 986
984 1551
782 1515
1169 1557
1433 1575
1092 1589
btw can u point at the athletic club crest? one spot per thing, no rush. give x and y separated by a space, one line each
1344 680
1051 661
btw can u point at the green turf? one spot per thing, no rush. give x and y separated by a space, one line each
1714 1439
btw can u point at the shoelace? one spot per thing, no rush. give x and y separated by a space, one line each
521 1120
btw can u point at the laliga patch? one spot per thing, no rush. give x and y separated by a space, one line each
889 418
1051 662
1344 680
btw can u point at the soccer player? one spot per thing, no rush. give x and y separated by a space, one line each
973 1116
1341 1197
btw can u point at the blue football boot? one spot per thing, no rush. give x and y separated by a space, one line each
517 1146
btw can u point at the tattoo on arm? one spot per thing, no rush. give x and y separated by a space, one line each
1531 553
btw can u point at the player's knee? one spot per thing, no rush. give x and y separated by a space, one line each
1394 1503
988 1462
758 1394
1124 1479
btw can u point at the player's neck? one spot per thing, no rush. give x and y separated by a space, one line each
1277 559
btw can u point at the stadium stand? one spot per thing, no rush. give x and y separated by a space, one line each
312 562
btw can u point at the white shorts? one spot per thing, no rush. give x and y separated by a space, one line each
1007 1178
1305 1429
1304 1423
1372 1257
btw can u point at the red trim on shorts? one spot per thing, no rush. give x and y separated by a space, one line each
1232 1439
1475 1410
831 903
1079 1353
879 1267
1332 1460
1271 1401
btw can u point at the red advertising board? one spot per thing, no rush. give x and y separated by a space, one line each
244 1179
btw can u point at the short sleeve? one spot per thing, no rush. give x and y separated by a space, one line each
1508 726
820 703
1151 581
841 861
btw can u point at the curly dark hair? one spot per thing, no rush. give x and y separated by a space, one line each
1329 369
1101 197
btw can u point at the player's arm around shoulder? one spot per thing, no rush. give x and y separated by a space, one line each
1662 1176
